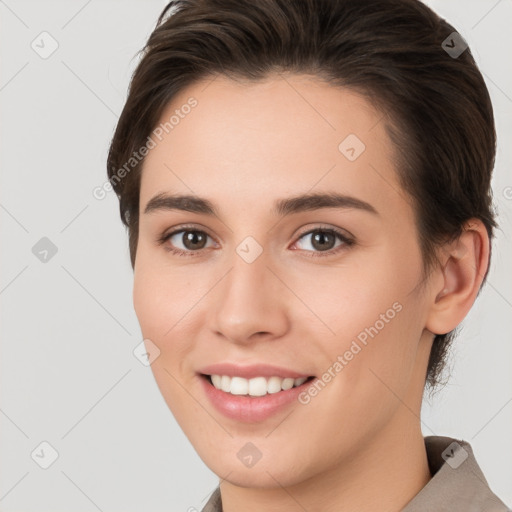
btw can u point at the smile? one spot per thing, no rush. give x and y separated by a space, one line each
257 386
255 399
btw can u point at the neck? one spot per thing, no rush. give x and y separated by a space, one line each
387 474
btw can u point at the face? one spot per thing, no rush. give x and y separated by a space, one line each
270 288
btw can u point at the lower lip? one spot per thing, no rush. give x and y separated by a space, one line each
251 409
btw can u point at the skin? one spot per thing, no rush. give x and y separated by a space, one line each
245 145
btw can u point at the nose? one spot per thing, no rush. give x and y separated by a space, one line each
250 303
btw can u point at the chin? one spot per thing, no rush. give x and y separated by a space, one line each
272 473
253 478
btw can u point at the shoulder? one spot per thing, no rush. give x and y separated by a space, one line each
214 504
457 483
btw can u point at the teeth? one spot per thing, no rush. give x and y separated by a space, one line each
258 386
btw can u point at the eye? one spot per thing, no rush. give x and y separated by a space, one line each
322 241
184 242
188 241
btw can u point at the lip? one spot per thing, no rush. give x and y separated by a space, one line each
250 371
249 409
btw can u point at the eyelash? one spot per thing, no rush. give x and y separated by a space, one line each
347 242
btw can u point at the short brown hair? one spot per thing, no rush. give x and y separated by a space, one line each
439 113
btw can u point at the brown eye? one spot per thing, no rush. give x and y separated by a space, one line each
193 240
185 241
323 240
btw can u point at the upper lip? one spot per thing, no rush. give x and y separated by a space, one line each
250 371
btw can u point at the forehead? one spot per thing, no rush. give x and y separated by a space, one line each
283 135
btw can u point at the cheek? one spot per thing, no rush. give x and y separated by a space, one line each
161 307
171 303
161 293
161 301
363 300
376 320
146 302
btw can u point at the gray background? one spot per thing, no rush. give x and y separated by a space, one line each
68 375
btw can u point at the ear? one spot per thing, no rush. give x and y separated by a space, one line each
463 267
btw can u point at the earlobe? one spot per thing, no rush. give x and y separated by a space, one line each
462 270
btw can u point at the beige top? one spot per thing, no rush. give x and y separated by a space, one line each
457 484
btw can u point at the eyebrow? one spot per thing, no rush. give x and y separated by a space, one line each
281 207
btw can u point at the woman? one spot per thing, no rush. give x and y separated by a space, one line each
306 186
